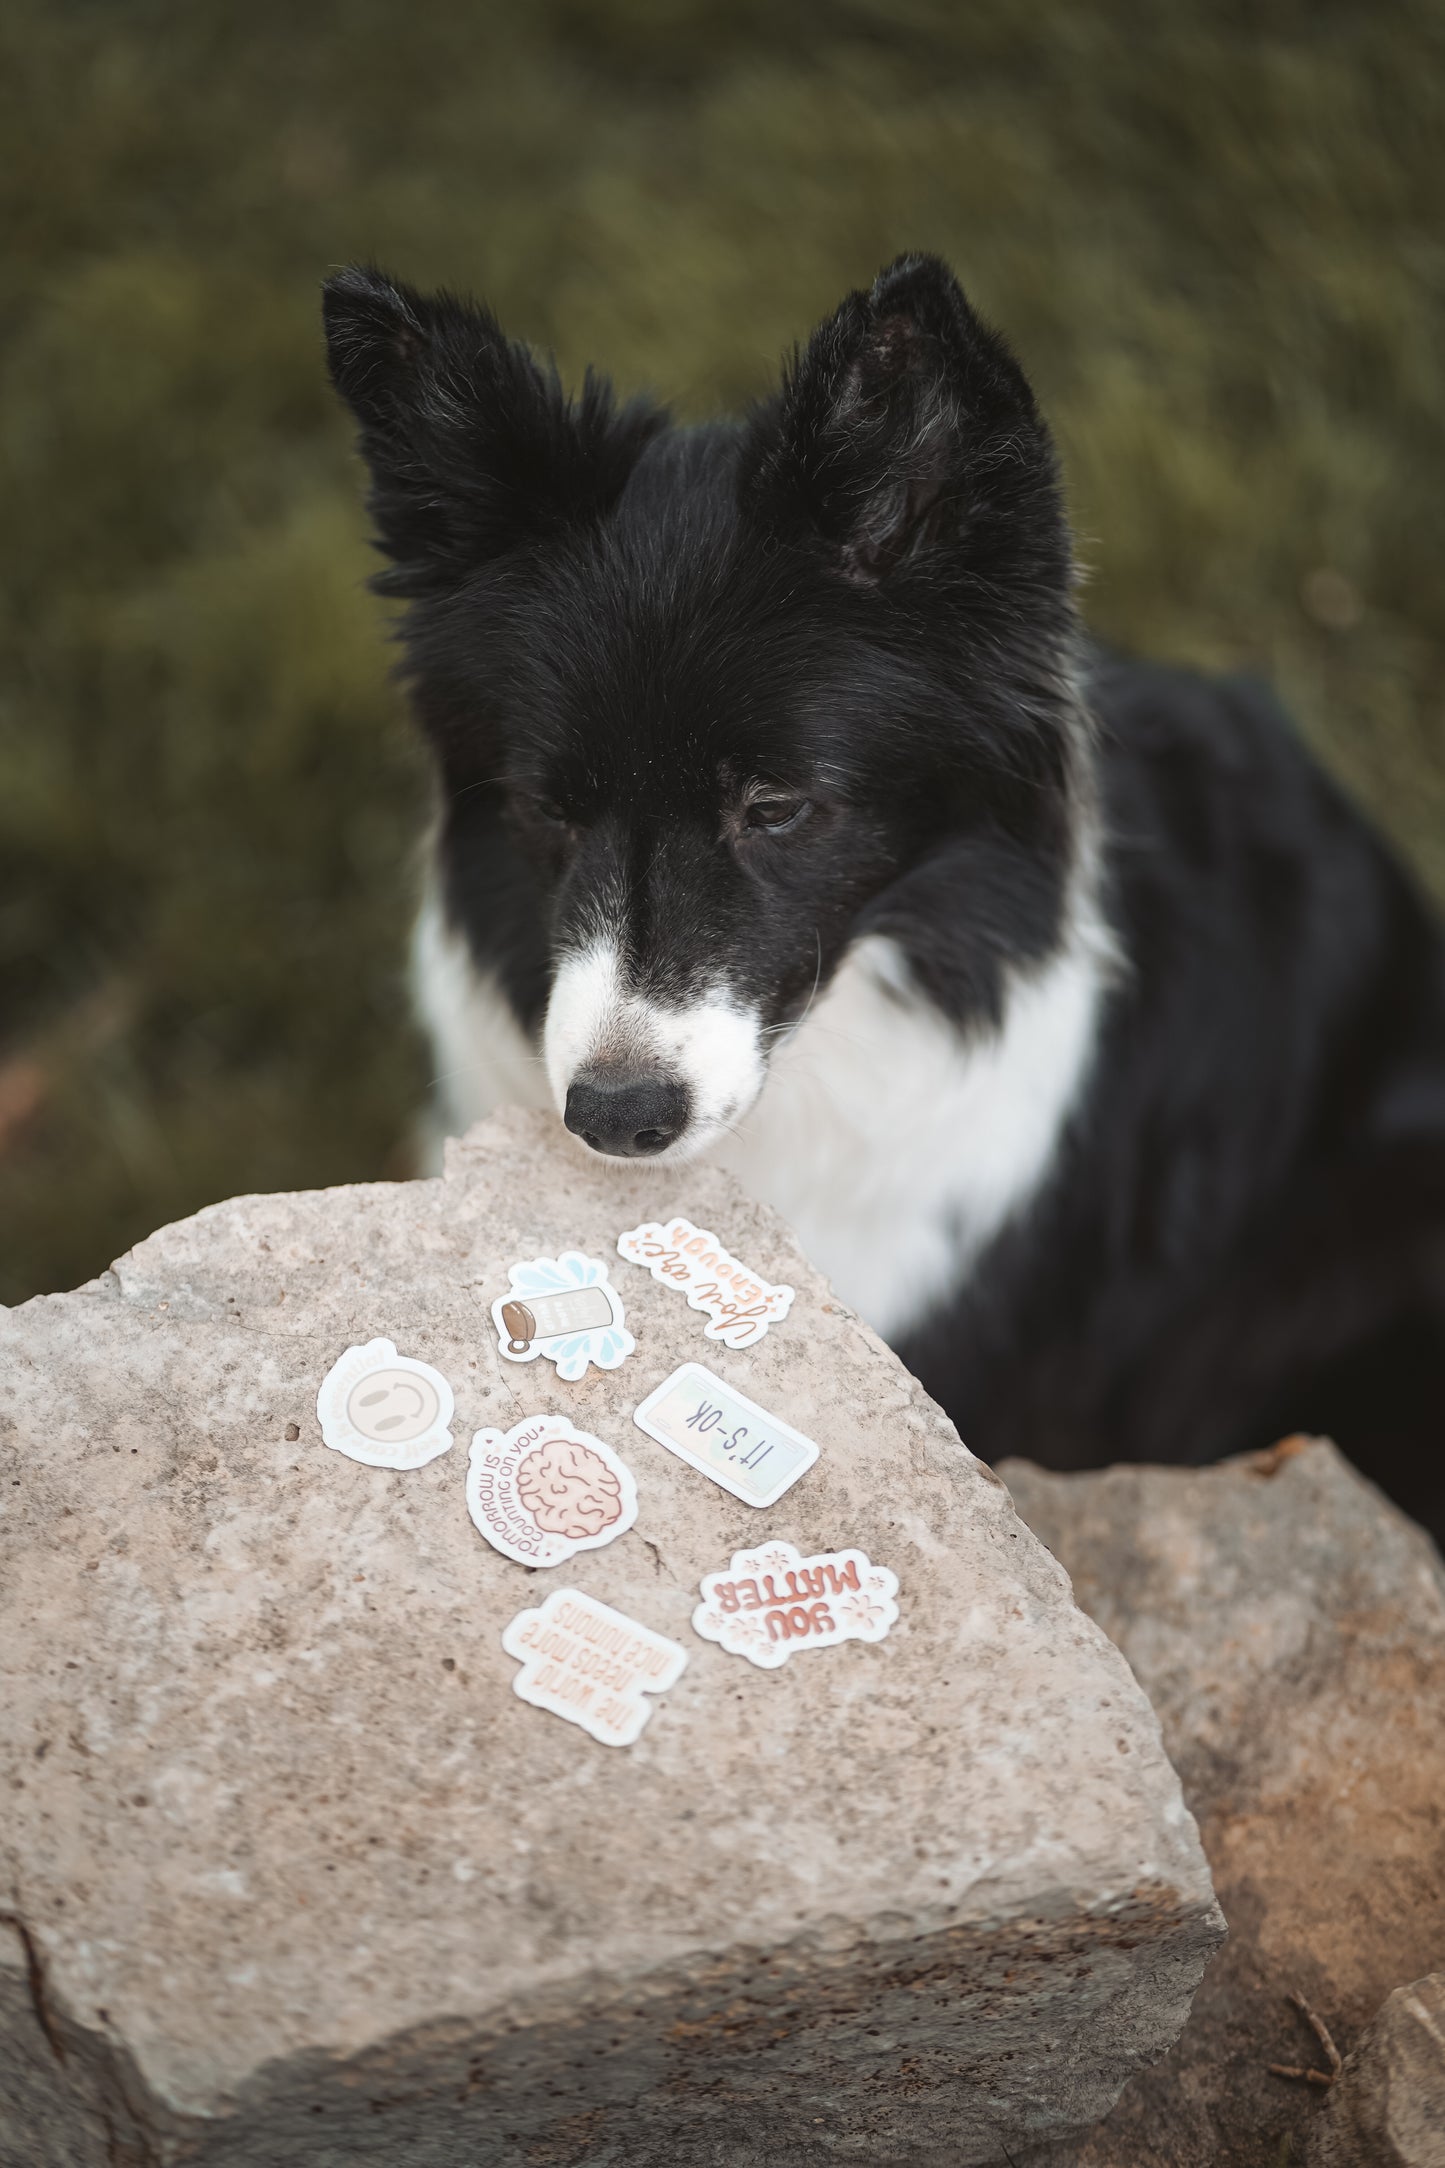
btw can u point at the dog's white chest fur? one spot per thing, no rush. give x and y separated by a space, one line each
896 1146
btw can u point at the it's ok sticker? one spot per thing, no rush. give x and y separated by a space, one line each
723 1434
773 1601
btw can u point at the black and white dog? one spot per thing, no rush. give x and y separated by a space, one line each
1092 1044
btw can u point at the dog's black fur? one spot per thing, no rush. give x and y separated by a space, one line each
783 683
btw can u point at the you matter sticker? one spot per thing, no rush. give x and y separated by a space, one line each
592 1665
384 1409
725 1435
565 1308
543 1491
740 1304
773 1601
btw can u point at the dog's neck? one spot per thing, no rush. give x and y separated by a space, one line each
895 1143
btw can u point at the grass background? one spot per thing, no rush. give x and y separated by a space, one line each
1213 230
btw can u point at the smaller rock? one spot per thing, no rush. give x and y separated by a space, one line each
1288 1624
1387 2109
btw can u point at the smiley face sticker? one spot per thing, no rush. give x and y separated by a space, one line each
384 1409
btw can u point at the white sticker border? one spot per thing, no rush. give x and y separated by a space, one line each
767 1563
486 1441
654 1252
538 1698
722 1476
341 1434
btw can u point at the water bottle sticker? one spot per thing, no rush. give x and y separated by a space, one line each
723 1434
543 1491
591 1664
384 1409
772 1602
740 1304
565 1308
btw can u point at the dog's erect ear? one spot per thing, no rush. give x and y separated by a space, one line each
474 449
904 423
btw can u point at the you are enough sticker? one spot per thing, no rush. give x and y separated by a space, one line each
740 1303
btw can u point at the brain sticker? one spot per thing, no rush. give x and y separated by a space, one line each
384 1409
569 1490
543 1491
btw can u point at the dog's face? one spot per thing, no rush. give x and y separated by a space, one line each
709 704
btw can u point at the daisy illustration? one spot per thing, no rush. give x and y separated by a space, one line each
863 1612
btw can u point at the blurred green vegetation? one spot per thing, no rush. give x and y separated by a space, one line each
1213 231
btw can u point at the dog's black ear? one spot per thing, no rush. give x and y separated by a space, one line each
474 449
905 424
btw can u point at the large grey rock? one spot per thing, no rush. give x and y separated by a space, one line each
1289 1626
296 1876
1388 2108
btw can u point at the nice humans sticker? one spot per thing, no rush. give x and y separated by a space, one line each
773 1601
565 1308
385 1409
591 1664
544 1491
740 1303
725 1435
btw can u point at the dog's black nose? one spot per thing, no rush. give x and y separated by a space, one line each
629 1116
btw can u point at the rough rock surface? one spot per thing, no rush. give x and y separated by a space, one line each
294 1874
1388 2109
1289 1625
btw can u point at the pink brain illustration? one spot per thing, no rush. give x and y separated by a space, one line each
568 1489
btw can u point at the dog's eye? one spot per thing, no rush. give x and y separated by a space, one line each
776 813
549 810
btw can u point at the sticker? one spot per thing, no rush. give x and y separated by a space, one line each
740 1303
543 1491
565 1308
773 1601
725 1435
385 1409
591 1664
